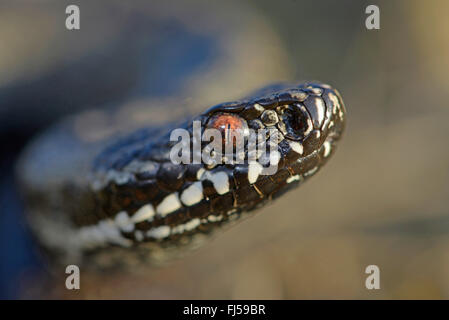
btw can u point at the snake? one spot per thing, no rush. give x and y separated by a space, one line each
119 199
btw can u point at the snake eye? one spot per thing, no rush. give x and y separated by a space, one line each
231 126
295 122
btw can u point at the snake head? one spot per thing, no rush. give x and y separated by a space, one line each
306 118
151 198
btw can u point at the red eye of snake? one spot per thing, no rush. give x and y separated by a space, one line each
231 126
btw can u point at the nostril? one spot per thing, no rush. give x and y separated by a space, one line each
295 122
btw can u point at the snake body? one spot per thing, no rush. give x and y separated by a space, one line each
122 200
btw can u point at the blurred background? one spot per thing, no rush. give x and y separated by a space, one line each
382 200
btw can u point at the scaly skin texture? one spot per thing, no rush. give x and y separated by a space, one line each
130 203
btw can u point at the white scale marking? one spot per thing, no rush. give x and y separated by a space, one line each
338 108
193 194
188 226
274 158
169 204
309 127
138 235
123 221
254 170
213 218
145 212
159 232
259 108
199 173
320 108
296 146
105 231
90 236
144 166
311 171
112 233
220 181
293 178
327 148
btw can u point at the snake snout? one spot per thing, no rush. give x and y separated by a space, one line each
311 114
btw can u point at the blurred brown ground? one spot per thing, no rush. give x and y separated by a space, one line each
383 199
